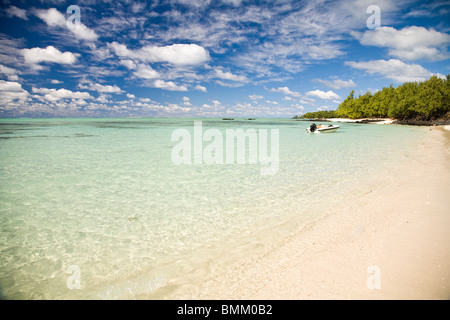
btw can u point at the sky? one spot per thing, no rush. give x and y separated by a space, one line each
212 58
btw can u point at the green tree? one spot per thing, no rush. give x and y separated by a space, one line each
425 100
405 106
345 107
431 98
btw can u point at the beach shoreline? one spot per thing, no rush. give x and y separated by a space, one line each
410 122
390 242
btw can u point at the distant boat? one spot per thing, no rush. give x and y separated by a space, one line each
228 119
251 119
322 128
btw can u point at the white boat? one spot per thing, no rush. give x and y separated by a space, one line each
322 128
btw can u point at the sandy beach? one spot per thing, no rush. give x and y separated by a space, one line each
372 120
389 241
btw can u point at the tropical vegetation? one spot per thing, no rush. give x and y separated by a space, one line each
425 100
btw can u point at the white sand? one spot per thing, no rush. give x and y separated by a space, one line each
375 120
400 227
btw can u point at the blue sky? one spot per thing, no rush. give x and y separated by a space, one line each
211 58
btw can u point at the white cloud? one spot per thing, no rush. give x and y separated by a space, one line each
146 72
13 11
338 84
286 91
307 100
194 3
103 99
54 95
54 81
228 84
10 91
394 69
255 97
229 76
131 96
84 33
409 43
215 105
323 95
100 88
10 86
187 101
54 18
235 3
121 50
200 88
10 73
176 54
35 56
168 85
129 64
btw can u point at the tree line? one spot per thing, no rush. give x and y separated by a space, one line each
425 100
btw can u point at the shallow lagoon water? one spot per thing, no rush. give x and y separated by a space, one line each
104 197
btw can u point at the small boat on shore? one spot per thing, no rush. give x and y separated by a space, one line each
322 128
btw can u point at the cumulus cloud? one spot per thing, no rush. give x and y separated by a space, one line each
394 69
255 97
187 101
168 85
176 54
146 72
102 98
194 3
10 73
228 84
53 18
100 88
323 95
215 104
54 95
200 88
13 11
83 33
10 86
338 84
409 43
35 56
235 3
10 91
286 91
299 107
129 64
229 76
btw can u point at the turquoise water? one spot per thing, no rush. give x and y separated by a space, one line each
104 197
